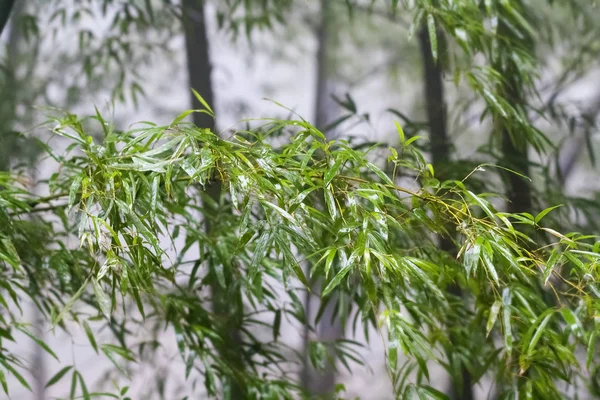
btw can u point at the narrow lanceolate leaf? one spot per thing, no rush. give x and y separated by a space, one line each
382 175
203 102
14 260
16 374
3 382
591 347
277 324
38 341
84 390
290 260
58 376
480 203
329 261
554 258
542 214
281 211
154 196
432 36
69 304
330 201
400 132
494 310
341 274
90 335
471 258
74 190
332 172
260 252
102 299
539 325
506 319
488 262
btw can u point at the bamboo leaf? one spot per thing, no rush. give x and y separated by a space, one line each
90 335
494 310
432 36
102 299
38 341
58 376
203 102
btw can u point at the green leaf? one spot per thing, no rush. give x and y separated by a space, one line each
73 384
542 214
16 374
14 259
541 323
281 211
102 299
488 262
276 325
3 382
74 189
494 310
204 103
400 132
591 346
432 36
329 262
182 116
506 316
411 140
331 172
330 201
384 177
154 196
471 258
69 304
84 390
480 203
290 260
554 257
58 376
338 277
260 252
432 393
90 335
38 341
106 394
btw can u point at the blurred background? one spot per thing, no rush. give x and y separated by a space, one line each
351 71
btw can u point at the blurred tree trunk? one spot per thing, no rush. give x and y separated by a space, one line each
516 158
199 70
9 151
9 85
6 7
514 147
329 328
435 105
198 59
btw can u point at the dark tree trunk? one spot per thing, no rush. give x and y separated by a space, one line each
516 158
435 105
328 329
6 7
198 59
8 140
199 70
514 148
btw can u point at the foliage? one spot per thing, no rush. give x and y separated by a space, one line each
132 201
531 307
